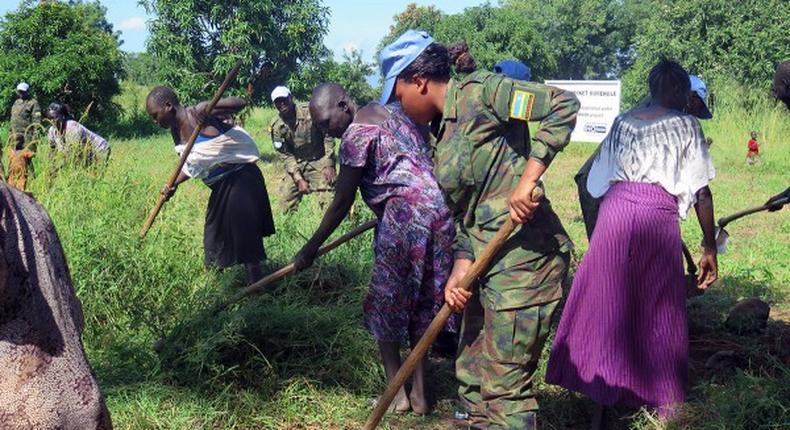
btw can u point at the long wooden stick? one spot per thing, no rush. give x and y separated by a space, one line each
478 269
287 270
726 220
190 143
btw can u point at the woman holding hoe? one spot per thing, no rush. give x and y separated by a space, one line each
73 140
488 167
623 336
384 155
239 215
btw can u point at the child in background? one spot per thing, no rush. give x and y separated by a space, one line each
753 155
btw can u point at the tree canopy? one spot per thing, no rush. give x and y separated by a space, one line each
571 39
196 42
608 39
141 68
66 52
351 73
720 40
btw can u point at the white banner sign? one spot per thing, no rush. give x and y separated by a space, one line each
600 105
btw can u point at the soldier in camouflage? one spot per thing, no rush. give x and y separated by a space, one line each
488 167
307 153
483 150
25 116
24 113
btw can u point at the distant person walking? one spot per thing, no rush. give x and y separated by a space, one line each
307 153
623 335
25 112
72 140
224 157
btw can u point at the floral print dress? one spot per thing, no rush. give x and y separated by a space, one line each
414 236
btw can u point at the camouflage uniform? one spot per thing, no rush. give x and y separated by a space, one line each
305 151
24 112
483 148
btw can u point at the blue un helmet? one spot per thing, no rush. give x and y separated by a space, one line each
397 56
514 69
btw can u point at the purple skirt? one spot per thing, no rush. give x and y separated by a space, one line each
623 336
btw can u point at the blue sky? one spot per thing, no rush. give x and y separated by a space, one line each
353 24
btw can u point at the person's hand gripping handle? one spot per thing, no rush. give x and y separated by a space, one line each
478 269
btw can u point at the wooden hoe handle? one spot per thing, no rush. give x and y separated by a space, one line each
190 143
287 270
478 269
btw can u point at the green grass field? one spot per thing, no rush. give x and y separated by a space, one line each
298 357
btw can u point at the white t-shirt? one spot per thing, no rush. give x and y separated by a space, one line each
235 146
669 150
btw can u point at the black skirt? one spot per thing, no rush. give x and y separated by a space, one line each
239 216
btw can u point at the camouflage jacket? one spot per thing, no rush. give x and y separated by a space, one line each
483 147
302 145
24 113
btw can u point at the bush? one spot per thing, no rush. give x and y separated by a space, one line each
197 42
720 40
66 51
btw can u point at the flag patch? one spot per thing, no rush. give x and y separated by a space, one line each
521 105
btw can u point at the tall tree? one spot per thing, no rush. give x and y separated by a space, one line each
586 39
493 33
66 52
140 68
352 73
197 42
426 18
720 40
497 33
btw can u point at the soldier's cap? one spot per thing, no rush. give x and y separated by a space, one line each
698 86
513 69
280 92
398 55
23 86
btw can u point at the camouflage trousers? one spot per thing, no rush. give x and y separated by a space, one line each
290 197
499 353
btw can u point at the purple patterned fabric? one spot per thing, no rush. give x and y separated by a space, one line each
45 380
414 236
623 336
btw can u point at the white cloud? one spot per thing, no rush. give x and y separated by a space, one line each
133 23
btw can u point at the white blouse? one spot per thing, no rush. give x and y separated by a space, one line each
76 134
669 151
234 146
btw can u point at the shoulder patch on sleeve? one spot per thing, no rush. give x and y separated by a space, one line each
521 102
